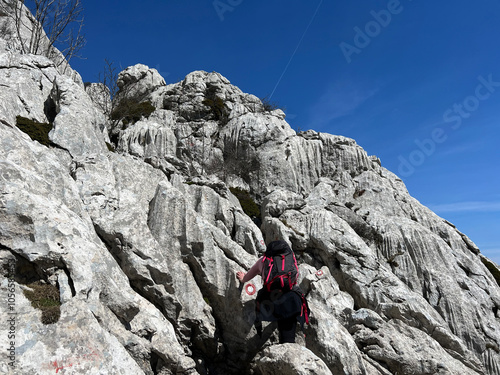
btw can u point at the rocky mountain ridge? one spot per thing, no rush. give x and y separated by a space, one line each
143 242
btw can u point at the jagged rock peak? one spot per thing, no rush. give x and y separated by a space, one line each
141 78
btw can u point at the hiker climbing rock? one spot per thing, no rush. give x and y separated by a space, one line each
280 299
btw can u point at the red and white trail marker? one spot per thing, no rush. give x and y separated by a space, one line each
250 289
319 273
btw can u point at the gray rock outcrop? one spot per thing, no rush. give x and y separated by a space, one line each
289 359
143 243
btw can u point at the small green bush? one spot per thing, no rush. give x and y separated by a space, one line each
247 203
36 130
131 111
217 106
270 106
46 298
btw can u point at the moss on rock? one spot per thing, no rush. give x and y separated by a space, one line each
46 298
36 130
247 203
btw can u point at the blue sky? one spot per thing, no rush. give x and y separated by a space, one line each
416 83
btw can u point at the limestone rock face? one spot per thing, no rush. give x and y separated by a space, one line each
143 244
101 96
17 38
78 125
289 359
48 233
26 85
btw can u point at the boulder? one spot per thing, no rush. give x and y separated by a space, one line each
288 359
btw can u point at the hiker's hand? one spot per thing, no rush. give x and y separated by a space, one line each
240 275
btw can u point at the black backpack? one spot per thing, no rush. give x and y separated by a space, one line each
280 267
